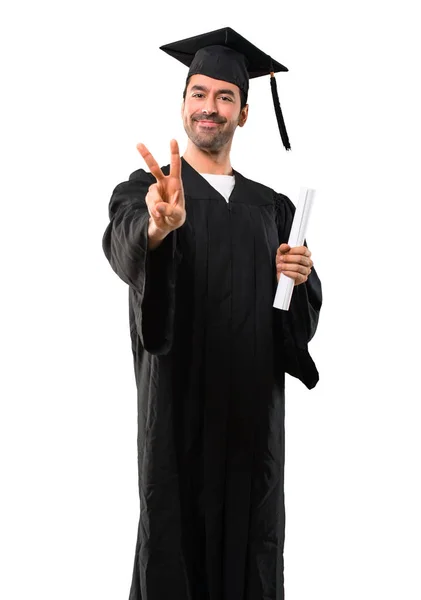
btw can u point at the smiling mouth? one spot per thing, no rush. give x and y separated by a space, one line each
208 125
208 121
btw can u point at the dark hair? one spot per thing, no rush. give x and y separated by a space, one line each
243 96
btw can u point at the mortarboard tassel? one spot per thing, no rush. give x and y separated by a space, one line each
278 111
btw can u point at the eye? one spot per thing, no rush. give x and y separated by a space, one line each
197 95
226 98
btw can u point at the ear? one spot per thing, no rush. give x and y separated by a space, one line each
243 116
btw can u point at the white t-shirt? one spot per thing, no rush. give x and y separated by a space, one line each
224 184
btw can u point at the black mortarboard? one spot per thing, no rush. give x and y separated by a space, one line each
226 55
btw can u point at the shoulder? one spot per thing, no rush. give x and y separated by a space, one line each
281 202
256 187
138 180
129 194
284 208
145 176
133 191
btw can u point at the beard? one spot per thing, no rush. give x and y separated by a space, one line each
212 139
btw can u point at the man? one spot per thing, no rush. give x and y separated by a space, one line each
202 248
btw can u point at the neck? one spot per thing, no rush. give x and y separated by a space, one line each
203 161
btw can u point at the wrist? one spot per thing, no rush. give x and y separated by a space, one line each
155 236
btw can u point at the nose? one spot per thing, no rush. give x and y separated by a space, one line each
210 105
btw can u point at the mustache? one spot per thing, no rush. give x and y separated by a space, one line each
212 118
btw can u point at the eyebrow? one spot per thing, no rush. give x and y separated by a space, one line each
203 88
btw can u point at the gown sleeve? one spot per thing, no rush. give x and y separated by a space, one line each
150 274
296 327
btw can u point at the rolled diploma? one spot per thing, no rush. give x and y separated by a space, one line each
296 238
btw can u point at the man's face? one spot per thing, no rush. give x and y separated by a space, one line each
213 129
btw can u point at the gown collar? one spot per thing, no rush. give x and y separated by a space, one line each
244 191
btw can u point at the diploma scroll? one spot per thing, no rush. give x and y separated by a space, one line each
296 238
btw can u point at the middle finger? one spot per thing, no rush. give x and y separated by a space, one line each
298 259
294 267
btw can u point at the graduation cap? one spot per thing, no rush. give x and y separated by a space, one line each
224 54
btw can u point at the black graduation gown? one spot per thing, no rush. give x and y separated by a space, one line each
210 355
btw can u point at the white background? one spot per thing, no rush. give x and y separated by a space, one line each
83 82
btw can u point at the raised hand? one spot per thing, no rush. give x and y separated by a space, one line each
294 262
165 198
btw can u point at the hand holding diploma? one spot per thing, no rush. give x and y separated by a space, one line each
293 262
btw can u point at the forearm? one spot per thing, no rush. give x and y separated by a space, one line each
314 298
125 244
295 328
305 308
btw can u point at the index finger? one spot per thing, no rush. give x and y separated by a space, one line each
175 169
283 249
151 162
300 250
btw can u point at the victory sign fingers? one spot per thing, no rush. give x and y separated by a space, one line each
165 198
